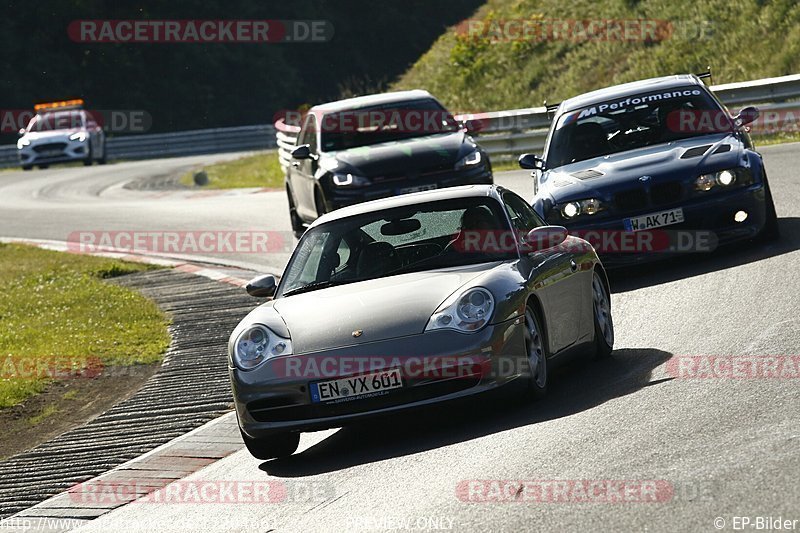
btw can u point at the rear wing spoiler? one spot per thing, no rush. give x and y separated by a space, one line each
706 74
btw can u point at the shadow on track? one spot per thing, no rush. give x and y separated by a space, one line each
573 389
729 256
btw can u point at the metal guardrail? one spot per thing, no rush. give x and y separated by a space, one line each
504 134
511 133
195 142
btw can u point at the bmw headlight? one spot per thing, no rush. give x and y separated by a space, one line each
467 312
724 179
79 136
350 180
257 344
590 206
23 142
470 160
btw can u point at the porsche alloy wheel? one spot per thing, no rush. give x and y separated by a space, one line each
537 355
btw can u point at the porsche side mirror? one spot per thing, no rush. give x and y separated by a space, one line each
531 162
21 132
545 237
747 115
262 286
302 152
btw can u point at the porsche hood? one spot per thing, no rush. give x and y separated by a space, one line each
380 309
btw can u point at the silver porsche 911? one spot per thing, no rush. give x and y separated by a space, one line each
407 301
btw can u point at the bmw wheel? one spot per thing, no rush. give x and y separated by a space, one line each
770 232
603 323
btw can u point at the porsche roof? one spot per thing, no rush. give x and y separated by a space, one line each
447 193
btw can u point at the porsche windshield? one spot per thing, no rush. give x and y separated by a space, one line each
384 243
634 122
385 123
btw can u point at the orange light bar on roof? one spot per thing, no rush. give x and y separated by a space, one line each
77 102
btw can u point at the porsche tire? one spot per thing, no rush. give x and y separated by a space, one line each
272 447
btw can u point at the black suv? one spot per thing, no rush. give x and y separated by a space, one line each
376 146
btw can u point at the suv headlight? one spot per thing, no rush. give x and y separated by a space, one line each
590 206
350 180
470 160
79 136
23 142
257 344
467 312
724 179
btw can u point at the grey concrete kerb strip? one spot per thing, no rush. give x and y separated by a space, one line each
132 480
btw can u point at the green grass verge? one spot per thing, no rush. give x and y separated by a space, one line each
260 170
57 311
740 39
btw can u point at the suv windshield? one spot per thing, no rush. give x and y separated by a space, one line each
385 123
405 239
634 122
58 120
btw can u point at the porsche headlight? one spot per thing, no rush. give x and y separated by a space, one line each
350 180
79 136
470 160
257 344
23 142
467 312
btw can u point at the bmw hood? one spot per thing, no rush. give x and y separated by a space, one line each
682 160
381 309
418 154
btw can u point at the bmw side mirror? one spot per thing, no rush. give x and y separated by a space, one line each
302 152
262 286
545 237
531 162
471 126
747 115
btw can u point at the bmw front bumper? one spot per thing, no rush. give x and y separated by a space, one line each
708 223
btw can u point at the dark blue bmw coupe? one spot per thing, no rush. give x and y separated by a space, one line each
657 165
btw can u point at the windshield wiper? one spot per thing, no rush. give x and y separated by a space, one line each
317 285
